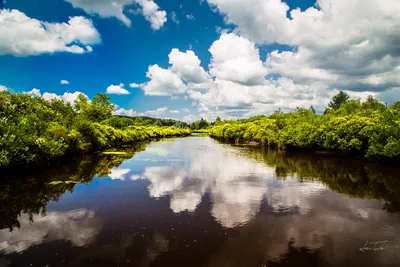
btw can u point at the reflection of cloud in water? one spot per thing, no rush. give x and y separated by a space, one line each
332 225
236 184
164 179
182 201
291 194
118 174
80 227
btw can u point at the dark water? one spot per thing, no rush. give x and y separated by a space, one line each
196 202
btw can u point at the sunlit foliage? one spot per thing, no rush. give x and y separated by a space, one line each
36 131
368 129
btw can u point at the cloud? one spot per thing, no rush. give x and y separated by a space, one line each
148 113
185 72
331 46
190 17
236 59
125 112
34 92
115 8
163 82
64 82
24 36
190 118
66 97
117 89
174 18
136 85
236 84
348 46
156 112
80 227
187 66
153 14
3 88
174 111
184 110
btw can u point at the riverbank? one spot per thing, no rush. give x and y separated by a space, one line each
34 131
353 129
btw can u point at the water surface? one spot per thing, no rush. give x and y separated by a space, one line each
196 202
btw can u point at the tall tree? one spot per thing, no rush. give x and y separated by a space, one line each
338 100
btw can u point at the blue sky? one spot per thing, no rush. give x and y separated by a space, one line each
264 57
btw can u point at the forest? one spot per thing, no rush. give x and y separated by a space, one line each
34 131
367 129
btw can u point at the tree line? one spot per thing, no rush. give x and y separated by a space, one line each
369 129
36 131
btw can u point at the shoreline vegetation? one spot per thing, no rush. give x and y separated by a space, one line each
34 131
367 129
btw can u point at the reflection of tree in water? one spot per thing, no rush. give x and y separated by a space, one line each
298 257
30 192
355 178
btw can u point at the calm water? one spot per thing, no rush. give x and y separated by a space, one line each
196 202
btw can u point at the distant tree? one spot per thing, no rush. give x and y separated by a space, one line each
312 109
98 110
200 124
338 100
372 105
217 120
158 123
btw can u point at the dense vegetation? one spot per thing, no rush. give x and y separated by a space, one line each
370 129
36 131
145 121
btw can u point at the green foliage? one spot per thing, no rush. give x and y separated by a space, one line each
36 131
121 122
338 100
200 124
368 129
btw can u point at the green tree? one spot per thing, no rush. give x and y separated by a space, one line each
158 123
98 110
217 121
338 100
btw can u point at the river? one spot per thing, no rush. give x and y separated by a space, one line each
197 202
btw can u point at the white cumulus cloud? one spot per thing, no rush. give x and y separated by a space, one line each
149 113
34 92
24 36
115 8
3 88
163 82
350 45
117 89
64 82
334 45
66 97
236 59
184 73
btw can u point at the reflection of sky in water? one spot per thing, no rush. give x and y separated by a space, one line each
236 184
80 227
195 192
